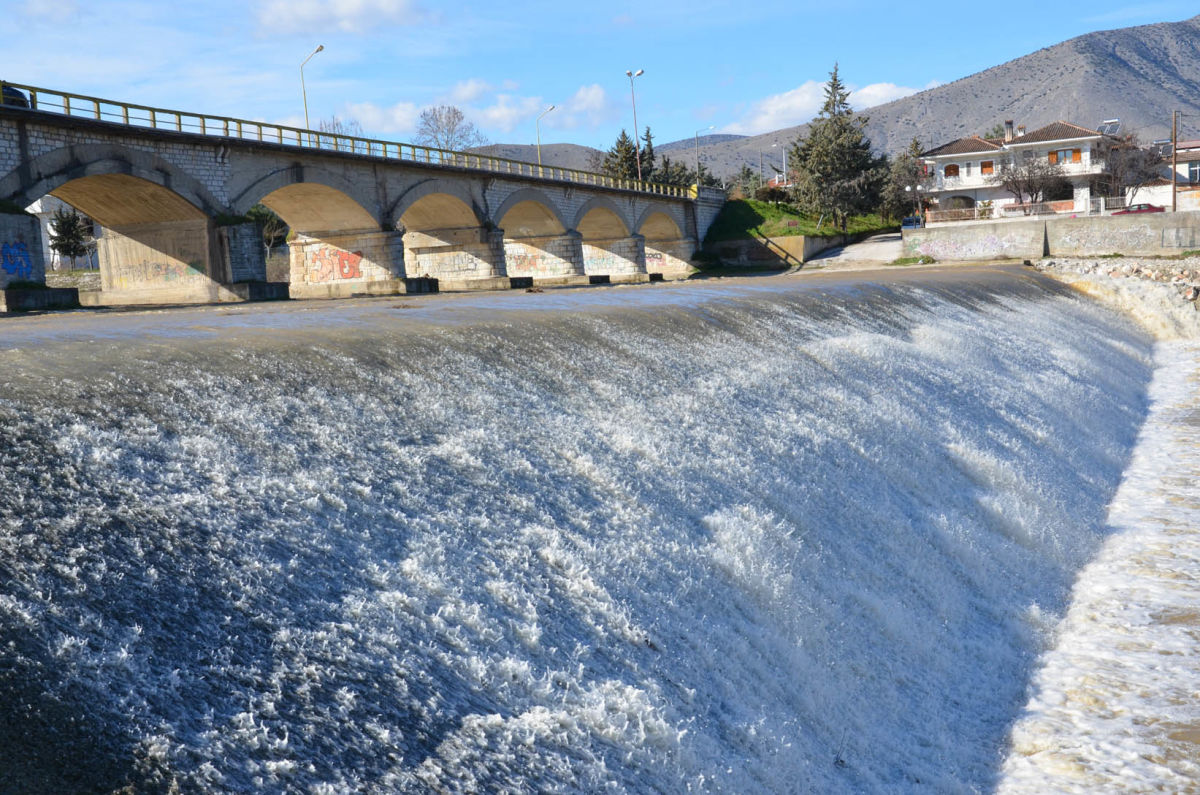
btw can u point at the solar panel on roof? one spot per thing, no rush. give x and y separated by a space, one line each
1109 127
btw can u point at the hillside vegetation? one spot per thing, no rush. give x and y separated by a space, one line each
746 218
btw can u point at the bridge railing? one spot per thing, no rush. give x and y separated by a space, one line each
144 116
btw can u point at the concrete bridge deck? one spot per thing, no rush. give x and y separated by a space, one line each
171 190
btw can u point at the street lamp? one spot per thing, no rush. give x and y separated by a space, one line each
916 192
633 98
303 90
697 149
538 124
785 171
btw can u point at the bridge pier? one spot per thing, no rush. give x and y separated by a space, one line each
339 265
179 262
470 258
621 259
551 260
671 258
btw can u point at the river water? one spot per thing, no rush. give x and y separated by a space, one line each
759 536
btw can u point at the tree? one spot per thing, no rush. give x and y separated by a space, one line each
647 157
905 179
1129 167
997 131
1030 178
621 160
836 172
70 235
445 127
272 228
669 173
336 126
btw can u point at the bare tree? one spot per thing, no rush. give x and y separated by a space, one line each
445 127
1128 167
336 126
1031 179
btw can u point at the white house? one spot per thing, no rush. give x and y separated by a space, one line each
961 173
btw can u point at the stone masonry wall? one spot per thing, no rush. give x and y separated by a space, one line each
623 255
335 259
21 257
673 257
544 256
242 247
203 161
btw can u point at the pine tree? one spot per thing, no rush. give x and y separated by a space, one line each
69 235
647 155
621 160
836 173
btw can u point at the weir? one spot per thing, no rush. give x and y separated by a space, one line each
771 537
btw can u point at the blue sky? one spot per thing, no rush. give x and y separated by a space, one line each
740 67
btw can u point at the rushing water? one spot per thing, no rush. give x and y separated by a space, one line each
792 537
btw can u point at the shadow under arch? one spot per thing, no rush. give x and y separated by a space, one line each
311 200
454 198
529 213
597 226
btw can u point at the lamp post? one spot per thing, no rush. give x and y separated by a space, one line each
303 90
785 171
697 150
538 125
633 98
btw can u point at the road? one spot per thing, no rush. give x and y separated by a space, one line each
877 250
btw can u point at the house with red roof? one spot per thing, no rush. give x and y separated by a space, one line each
963 175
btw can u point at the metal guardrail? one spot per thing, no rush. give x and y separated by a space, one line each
144 116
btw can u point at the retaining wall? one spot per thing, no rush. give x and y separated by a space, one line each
1143 234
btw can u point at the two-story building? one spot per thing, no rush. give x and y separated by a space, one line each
963 174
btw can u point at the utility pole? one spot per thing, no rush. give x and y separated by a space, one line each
1174 161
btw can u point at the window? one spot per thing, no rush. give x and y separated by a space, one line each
1066 156
969 169
987 167
1194 172
951 170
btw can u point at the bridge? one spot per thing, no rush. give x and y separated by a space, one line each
171 191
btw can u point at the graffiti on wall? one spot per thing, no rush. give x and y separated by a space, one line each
330 263
138 274
15 259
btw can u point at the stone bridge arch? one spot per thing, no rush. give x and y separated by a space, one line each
49 172
313 200
668 249
446 235
160 239
539 242
609 245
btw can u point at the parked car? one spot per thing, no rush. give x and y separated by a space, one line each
1140 208
912 222
13 96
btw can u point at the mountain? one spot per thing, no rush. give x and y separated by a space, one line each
1137 74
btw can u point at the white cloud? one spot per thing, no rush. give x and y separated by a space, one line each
804 102
469 90
399 118
509 111
51 10
878 94
588 107
348 16
781 110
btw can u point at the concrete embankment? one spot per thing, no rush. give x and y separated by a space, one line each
1143 235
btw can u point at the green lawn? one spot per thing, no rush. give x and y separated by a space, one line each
746 218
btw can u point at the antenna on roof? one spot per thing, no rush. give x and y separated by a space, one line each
1109 127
